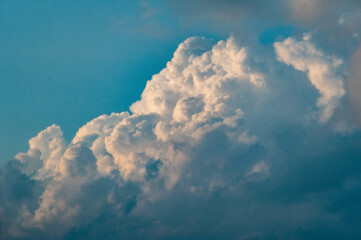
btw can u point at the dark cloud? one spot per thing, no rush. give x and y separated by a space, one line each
354 83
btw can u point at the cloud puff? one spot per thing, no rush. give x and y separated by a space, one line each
44 153
303 56
203 154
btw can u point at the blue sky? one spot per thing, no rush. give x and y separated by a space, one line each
193 119
66 62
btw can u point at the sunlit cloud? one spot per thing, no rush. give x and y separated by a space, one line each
233 139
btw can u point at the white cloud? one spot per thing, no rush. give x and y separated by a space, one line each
44 153
321 71
192 96
192 135
217 146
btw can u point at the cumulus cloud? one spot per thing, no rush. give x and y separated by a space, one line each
303 56
201 155
192 96
44 152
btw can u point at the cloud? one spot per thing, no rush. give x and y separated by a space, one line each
231 13
44 152
354 82
303 56
219 146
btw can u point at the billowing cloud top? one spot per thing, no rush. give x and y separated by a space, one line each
222 144
320 70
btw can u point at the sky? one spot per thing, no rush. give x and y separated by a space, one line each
180 119
66 62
